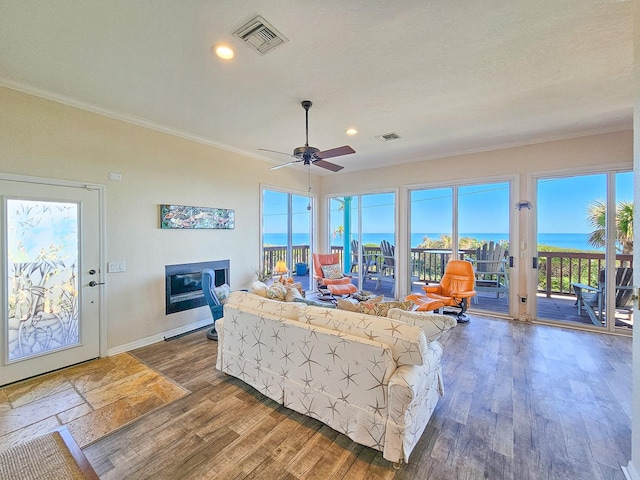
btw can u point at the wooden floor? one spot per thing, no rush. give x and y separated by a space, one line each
522 402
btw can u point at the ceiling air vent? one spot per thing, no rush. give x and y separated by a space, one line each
260 35
388 136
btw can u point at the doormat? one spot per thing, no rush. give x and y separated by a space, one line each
53 455
92 399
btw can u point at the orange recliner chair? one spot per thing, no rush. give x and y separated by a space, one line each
336 285
456 287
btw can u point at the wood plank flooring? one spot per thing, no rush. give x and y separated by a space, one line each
522 402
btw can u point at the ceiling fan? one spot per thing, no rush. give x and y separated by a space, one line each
310 155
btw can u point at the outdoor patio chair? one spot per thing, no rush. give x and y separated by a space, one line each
491 269
367 261
387 265
592 299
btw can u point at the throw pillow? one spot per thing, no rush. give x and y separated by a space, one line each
277 291
346 304
258 288
222 293
382 309
332 271
292 294
433 325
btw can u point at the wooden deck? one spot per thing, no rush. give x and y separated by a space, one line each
560 308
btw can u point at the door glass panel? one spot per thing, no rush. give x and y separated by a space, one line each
571 249
344 231
301 207
378 238
274 229
42 265
340 229
431 235
483 238
359 224
623 309
286 227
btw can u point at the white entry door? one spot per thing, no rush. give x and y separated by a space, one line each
51 288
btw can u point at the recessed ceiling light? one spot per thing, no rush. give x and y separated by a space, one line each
224 52
351 131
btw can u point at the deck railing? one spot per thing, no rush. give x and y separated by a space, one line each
556 270
271 255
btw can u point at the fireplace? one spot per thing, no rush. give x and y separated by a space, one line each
183 284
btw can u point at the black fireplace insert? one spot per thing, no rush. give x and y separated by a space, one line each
184 284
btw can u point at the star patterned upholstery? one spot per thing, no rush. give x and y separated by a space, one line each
375 379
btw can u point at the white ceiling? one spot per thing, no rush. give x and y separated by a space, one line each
447 76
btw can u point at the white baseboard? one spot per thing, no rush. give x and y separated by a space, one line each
630 472
143 342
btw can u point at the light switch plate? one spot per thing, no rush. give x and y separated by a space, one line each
116 267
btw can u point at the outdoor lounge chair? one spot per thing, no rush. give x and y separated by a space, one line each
592 299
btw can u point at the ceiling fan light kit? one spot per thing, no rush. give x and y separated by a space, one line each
311 155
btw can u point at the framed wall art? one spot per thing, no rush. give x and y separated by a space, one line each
182 216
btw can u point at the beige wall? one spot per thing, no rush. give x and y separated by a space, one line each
590 151
47 139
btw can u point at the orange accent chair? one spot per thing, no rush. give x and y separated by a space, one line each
336 286
456 287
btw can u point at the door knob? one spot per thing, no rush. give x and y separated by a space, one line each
93 284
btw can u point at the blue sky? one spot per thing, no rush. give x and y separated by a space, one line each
563 202
561 205
275 210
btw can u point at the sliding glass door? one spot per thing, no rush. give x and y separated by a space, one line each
584 263
431 235
469 222
483 226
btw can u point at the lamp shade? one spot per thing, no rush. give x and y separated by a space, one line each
281 267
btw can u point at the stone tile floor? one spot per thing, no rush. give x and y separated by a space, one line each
92 399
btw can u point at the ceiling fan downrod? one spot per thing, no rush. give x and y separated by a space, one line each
306 104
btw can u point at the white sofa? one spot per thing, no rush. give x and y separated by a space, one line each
375 379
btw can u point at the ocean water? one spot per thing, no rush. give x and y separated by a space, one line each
561 240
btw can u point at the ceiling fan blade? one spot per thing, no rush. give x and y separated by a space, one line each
285 164
335 152
328 165
274 151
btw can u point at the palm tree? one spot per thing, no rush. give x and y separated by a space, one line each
596 214
624 226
